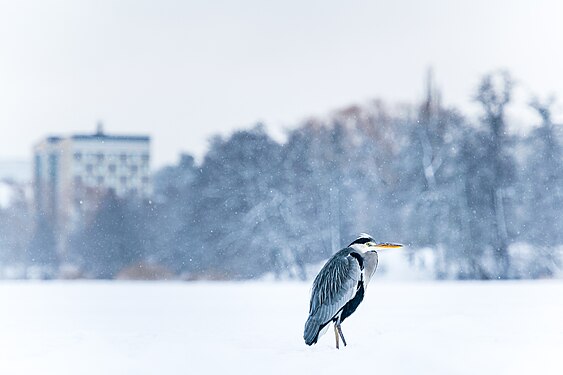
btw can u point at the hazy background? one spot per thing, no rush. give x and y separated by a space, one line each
182 71
435 124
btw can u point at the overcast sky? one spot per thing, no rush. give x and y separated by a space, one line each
182 71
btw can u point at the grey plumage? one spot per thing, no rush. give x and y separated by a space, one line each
339 287
334 286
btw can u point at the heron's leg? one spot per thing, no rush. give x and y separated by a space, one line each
340 332
336 335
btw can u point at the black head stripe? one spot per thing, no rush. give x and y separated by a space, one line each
361 240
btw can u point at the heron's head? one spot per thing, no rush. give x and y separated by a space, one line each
365 243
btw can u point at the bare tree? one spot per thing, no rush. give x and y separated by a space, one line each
494 94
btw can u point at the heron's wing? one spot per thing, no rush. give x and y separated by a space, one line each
334 286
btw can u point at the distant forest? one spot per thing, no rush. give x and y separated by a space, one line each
421 174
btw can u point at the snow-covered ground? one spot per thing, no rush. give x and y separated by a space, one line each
256 328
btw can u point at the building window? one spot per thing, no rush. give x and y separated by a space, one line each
145 158
78 180
123 158
111 168
100 180
37 167
123 180
100 157
53 161
145 180
134 169
77 156
89 168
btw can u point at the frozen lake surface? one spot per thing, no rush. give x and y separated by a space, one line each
256 328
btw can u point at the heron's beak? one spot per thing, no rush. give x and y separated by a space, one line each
387 245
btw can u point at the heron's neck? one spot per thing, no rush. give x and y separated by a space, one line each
360 248
370 265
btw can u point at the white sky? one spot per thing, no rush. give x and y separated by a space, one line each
182 71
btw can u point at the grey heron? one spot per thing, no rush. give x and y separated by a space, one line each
340 286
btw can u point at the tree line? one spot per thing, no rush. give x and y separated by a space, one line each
422 174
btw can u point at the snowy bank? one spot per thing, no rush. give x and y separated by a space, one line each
255 328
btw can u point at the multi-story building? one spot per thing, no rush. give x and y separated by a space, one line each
70 172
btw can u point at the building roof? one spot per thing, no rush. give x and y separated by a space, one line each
106 137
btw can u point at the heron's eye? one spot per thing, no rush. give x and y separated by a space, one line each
370 244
